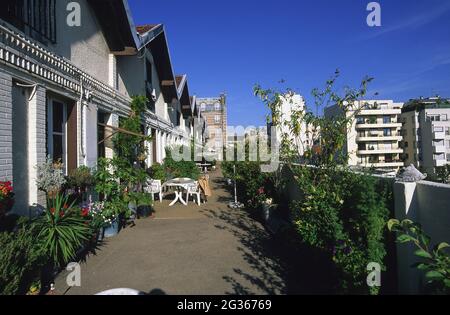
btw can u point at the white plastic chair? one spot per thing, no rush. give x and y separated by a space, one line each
154 187
193 189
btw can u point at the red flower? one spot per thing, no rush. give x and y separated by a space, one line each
61 213
66 206
261 190
52 210
84 212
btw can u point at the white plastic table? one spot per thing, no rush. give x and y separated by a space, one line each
204 166
178 183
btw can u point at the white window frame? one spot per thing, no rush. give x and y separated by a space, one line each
51 102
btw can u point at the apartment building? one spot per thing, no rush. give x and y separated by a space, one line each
373 141
64 89
214 111
426 133
305 140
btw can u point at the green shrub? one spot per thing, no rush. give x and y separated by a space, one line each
252 185
343 214
157 171
80 178
180 169
20 261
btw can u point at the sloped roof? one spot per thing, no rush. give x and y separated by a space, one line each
142 29
115 19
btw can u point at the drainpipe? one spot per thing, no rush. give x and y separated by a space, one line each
82 151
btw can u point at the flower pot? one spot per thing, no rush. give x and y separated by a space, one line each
100 234
267 211
144 211
112 229
6 206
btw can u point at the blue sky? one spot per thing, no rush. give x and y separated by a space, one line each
231 45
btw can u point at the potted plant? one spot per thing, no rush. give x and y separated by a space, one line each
267 209
50 177
6 198
60 232
111 212
79 181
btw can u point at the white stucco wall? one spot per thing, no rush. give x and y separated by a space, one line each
428 204
85 45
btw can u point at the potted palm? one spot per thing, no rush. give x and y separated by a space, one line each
61 232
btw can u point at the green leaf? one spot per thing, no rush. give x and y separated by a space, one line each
434 275
404 238
391 223
447 283
422 253
421 266
443 245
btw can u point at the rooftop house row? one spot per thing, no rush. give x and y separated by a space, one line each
64 89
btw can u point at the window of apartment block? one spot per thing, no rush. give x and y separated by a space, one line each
448 157
386 119
405 144
444 117
203 107
387 132
438 129
217 119
447 144
217 106
359 120
447 131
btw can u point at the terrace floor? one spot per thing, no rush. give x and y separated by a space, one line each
207 249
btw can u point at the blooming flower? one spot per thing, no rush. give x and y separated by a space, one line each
84 212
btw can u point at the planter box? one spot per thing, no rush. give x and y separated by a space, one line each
267 212
112 229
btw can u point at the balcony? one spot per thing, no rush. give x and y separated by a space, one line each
378 125
439 147
379 138
380 151
440 162
393 164
380 111
439 135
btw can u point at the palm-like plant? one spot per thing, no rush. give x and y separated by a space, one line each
61 230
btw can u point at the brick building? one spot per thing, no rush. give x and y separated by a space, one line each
214 111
